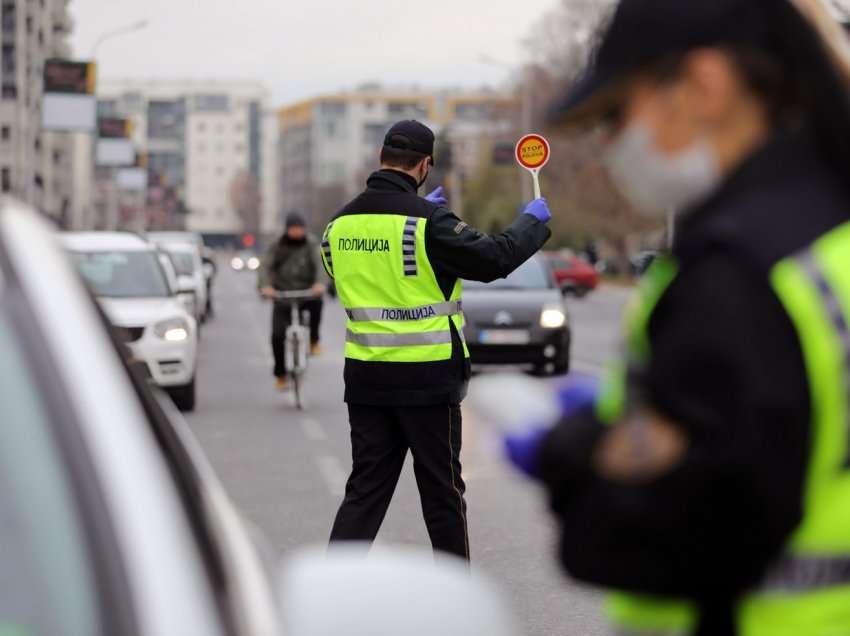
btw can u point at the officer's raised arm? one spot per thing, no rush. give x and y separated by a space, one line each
459 250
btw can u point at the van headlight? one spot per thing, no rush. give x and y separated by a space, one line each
553 318
237 263
253 263
174 330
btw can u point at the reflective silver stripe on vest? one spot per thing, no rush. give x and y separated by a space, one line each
399 339
326 248
839 322
389 314
803 573
650 632
408 246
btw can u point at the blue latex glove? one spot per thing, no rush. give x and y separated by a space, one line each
437 196
539 209
523 448
576 394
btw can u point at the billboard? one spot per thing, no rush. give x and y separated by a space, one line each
69 102
114 128
115 153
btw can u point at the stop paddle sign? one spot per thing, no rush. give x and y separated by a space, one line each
532 153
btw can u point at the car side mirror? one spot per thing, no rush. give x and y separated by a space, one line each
386 593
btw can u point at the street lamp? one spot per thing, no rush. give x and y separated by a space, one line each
124 30
525 108
112 221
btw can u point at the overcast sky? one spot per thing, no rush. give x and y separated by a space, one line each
302 48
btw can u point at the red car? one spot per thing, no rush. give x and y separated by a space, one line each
573 273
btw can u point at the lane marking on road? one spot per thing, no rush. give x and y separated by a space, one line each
333 473
313 430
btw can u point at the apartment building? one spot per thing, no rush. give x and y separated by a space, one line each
208 152
328 145
35 165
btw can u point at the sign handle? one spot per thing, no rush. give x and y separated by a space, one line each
536 176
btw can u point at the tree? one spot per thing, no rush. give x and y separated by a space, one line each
584 202
245 198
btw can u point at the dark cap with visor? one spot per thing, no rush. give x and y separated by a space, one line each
411 135
642 32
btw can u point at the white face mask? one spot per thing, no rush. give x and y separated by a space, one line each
655 183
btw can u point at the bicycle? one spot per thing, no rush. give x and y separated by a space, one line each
297 339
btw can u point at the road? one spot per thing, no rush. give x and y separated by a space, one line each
286 470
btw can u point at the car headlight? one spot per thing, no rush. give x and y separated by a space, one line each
237 263
253 263
553 318
173 330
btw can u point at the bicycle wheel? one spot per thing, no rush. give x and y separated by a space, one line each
296 391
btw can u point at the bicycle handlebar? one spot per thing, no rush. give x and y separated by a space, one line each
296 294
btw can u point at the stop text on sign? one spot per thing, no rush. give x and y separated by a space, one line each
532 152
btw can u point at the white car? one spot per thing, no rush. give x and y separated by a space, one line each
189 267
115 523
176 237
124 272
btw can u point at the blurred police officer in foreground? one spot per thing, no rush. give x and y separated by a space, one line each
709 480
293 263
397 260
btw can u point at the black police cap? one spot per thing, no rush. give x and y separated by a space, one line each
644 31
411 135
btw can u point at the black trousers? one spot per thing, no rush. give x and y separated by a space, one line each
281 319
380 439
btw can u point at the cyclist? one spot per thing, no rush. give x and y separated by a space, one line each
292 263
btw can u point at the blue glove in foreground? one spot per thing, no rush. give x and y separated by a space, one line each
539 209
437 196
523 448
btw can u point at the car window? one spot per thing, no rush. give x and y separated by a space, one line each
184 264
560 263
122 274
46 586
532 274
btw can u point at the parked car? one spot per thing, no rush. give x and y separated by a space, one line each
115 523
519 320
176 237
124 272
189 265
573 273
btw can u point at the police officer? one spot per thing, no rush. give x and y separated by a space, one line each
293 263
397 260
709 481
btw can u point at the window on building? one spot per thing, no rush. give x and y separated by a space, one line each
37 144
373 134
167 119
40 37
201 127
211 103
133 102
29 24
334 109
240 127
239 148
57 157
219 212
5 133
201 148
7 8
6 179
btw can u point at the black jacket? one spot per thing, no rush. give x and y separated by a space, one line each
727 366
455 250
